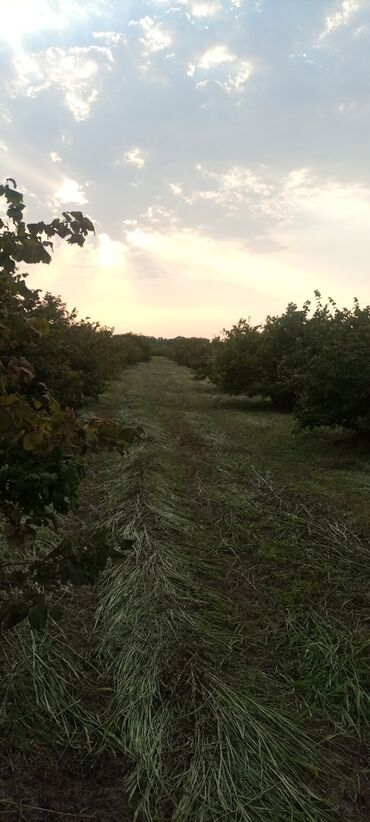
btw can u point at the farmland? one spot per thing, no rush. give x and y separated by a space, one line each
219 672
185 411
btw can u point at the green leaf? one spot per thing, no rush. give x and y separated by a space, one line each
32 440
41 326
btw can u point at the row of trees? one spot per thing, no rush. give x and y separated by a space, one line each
51 363
314 361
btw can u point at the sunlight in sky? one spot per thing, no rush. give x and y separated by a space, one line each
110 253
220 148
24 17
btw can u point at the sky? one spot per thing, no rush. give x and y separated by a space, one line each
221 148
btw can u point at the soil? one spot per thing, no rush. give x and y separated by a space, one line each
54 785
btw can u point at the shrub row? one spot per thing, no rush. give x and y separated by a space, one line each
51 363
314 361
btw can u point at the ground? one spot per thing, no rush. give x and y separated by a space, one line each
220 672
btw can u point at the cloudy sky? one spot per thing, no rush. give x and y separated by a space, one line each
221 148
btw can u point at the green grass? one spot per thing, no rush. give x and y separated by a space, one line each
207 733
329 463
228 658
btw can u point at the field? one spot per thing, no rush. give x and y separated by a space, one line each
221 671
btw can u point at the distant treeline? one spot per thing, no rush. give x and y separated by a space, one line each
313 361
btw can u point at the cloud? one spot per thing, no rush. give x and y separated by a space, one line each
75 72
70 193
215 58
155 37
225 125
208 8
194 8
175 188
216 55
135 157
24 17
111 38
110 253
237 81
347 9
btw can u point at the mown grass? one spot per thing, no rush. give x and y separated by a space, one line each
330 463
229 659
311 583
208 735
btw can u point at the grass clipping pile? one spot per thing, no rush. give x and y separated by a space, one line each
205 741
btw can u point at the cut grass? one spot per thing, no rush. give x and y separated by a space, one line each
229 658
208 737
315 596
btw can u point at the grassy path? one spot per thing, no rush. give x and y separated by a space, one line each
245 678
227 666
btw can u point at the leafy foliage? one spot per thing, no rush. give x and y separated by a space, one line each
77 562
315 363
237 359
333 387
50 364
194 352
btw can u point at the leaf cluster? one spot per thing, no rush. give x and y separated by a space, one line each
51 363
311 360
76 562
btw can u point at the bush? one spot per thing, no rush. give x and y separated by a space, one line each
333 387
50 363
236 363
315 364
282 354
193 352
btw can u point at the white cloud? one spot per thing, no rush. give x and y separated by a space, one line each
76 72
238 187
134 157
24 17
216 58
175 188
263 195
216 55
194 8
55 157
159 216
238 81
341 17
155 38
110 253
70 192
204 9
3 147
111 38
